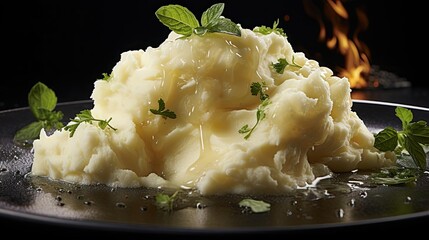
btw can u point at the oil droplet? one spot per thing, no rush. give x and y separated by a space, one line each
294 203
60 204
58 198
201 205
143 209
289 213
352 202
80 197
89 203
121 205
3 170
39 189
60 190
408 200
340 213
363 194
69 192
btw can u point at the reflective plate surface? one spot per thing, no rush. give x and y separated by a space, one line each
346 200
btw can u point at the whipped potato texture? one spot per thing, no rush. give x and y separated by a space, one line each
309 128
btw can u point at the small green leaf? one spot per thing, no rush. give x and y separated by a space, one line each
282 63
255 206
86 116
420 131
395 175
166 202
106 77
41 97
29 132
416 151
386 140
258 88
177 18
225 25
212 14
165 113
244 129
405 115
264 30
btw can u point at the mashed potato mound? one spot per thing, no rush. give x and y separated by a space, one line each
206 82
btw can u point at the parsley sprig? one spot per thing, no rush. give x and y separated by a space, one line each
410 139
165 113
106 77
182 21
86 116
282 63
42 102
264 30
256 89
165 201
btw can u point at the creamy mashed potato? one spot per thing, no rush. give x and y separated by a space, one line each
206 82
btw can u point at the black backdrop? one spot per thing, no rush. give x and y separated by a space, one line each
69 44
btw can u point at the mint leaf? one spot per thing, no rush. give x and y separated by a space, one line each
42 101
256 206
212 15
41 97
182 21
420 131
29 132
225 25
386 140
178 19
405 115
413 137
416 151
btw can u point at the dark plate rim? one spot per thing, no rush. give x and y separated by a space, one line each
153 229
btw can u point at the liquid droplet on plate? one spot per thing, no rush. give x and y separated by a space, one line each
408 199
340 213
121 205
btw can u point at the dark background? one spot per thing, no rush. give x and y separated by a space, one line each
69 44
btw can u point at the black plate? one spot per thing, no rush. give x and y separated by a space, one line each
346 200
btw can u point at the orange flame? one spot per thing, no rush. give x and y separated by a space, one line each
357 66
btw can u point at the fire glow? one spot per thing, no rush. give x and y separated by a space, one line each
356 54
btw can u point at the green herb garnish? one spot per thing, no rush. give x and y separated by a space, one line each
282 63
165 113
165 202
395 175
411 138
182 21
256 206
256 89
42 101
106 77
86 116
267 30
